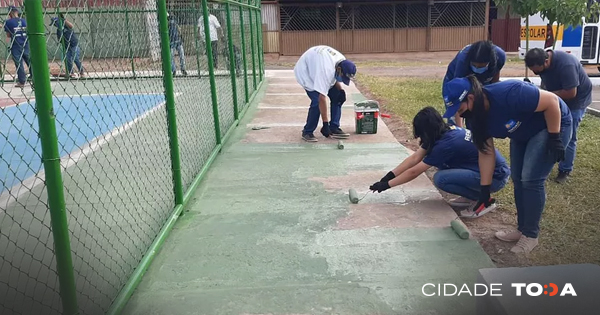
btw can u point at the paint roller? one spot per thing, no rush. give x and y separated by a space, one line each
460 229
340 145
353 196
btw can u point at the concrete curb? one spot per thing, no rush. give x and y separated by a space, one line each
536 80
593 111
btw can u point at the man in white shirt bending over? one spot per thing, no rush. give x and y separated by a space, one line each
214 27
319 71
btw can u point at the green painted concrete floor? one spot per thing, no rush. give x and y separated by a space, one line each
271 230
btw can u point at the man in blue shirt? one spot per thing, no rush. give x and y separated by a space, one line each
176 43
16 30
563 75
66 35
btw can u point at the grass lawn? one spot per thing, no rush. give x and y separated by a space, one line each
570 227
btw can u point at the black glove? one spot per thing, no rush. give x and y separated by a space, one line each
527 80
380 186
556 149
484 199
342 97
388 177
325 129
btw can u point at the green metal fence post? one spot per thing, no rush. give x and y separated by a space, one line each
211 70
50 155
245 60
165 49
252 41
259 43
262 49
232 62
129 38
196 39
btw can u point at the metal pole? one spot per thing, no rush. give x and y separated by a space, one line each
170 100
245 61
196 39
259 43
252 47
50 155
211 70
129 37
232 61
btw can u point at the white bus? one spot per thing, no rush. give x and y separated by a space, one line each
542 35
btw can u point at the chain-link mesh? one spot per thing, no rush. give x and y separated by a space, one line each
457 14
108 94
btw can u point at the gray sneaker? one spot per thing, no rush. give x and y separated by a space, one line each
562 177
309 137
339 134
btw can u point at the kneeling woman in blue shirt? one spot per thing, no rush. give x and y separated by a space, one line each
451 150
538 124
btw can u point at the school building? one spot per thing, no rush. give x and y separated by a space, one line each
358 26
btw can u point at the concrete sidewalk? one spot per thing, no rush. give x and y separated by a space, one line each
271 229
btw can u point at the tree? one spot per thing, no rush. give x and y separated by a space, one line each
523 8
563 12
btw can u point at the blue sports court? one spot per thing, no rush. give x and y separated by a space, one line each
79 120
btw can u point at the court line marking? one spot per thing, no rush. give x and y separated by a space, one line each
28 184
284 94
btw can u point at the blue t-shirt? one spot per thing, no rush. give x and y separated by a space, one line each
17 28
566 72
512 110
456 150
459 67
70 37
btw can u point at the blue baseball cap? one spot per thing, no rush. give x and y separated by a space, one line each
13 8
454 92
53 21
348 71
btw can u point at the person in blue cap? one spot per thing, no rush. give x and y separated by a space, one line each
176 44
16 30
538 124
482 59
320 71
563 75
70 40
451 150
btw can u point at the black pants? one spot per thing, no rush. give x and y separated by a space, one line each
215 52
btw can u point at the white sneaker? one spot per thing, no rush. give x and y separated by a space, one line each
525 245
511 236
461 202
75 75
470 214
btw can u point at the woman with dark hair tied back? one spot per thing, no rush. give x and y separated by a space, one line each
451 150
538 124
482 59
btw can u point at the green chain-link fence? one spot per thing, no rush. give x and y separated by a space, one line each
96 163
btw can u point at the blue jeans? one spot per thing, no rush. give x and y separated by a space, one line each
312 121
530 167
73 54
19 55
567 164
179 49
465 183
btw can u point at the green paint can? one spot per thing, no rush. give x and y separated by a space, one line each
366 116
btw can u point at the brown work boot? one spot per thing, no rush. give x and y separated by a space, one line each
511 236
525 245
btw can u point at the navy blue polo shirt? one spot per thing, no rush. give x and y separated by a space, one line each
566 72
17 28
459 67
456 150
512 110
70 37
